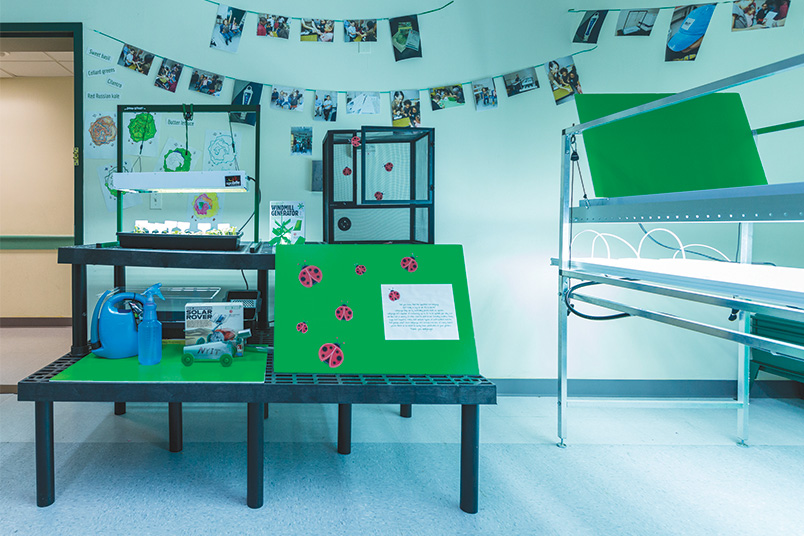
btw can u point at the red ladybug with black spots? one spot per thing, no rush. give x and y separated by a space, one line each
389 166
310 275
409 264
331 354
344 312
393 295
360 269
301 327
355 141
347 171
378 196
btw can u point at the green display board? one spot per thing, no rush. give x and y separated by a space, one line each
373 309
91 368
700 144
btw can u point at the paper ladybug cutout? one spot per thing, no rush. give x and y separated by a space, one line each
409 264
378 196
355 141
360 269
347 171
389 166
344 312
309 276
393 295
331 354
301 327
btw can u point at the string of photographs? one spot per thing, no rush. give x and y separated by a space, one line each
688 24
230 23
405 103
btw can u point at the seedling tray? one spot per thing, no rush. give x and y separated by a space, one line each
177 241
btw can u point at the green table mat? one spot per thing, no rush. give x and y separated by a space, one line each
91 368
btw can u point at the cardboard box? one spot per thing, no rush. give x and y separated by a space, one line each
210 322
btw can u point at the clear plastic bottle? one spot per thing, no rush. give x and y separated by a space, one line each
149 336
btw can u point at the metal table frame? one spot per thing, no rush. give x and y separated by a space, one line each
745 205
341 389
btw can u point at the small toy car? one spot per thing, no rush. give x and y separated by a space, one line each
223 351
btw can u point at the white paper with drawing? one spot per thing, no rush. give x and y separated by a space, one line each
419 312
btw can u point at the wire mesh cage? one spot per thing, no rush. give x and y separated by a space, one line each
379 185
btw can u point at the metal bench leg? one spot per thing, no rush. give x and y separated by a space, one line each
265 411
45 471
175 426
406 410
255 455
119 408
470 455
344 428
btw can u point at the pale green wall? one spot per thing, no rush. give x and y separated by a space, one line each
503 162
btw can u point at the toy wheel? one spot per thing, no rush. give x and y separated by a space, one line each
226 360
187 360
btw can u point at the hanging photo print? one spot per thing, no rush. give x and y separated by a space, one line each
273 26
326 105
520 81
206 82
405 108
445 97
563 77
745 15
636 21
287 98
317 30
362 102
355 31
301 141
246 93
405 37
228 29
485 94
589 28
135 59
687 31
168 76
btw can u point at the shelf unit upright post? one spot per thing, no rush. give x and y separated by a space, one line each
743 205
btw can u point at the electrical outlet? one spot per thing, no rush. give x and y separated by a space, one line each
156 201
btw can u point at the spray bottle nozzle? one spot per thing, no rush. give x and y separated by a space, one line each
154 290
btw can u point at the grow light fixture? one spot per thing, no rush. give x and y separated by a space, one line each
181 181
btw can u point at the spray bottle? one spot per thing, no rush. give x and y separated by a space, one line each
149 336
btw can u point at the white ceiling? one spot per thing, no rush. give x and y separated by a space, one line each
39 57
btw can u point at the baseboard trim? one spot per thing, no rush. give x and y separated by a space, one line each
648 388
35 322
8 389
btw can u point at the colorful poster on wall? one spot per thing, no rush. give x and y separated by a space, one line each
589 29
485 94
168 76
364 30
564 80
286 221
141 133
445 97
109 199
100 135
176 157
520 81
135 59
405 37
633 22
218 151
373 309
205 208
747 16
326 105
406 108
301 141
687 31
228 29
362 102
246 92
206 82
317 30
273 26
287 98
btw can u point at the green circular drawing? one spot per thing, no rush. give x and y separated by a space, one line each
177 160
142 127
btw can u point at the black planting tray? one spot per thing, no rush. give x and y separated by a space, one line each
179 241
